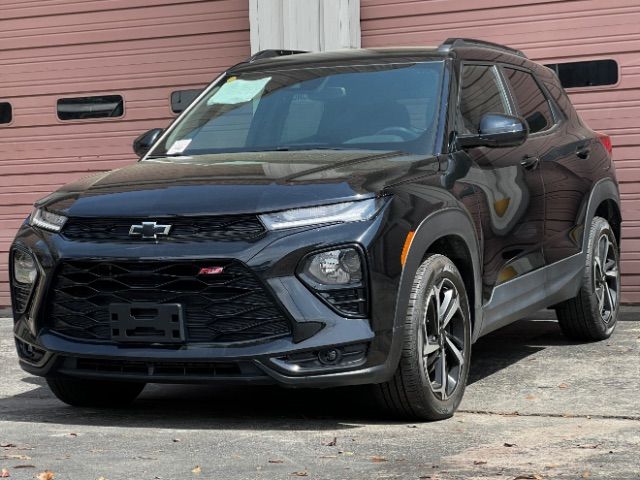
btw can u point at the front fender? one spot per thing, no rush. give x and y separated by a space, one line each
446 222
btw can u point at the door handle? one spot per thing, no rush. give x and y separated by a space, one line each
530 163
584 153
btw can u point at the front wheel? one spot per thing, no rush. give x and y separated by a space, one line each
432 374
94 393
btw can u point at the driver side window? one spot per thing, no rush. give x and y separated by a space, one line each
480 93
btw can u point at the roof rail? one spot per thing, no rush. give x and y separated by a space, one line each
451 43
262 54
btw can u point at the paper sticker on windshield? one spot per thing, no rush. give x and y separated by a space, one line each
179 146
238 91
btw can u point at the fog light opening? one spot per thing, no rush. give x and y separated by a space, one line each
330 356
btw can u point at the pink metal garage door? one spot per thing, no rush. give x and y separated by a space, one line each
62 48
548 32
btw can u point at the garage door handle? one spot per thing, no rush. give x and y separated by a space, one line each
530 163
584 153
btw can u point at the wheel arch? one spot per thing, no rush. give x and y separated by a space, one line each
604 201
449 232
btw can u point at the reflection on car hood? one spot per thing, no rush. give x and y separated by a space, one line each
237 183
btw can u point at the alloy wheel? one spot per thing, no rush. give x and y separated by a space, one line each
442 339
606 277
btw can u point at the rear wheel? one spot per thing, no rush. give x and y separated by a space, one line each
94 393
592 314
431 377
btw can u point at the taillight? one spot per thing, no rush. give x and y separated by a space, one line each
605 140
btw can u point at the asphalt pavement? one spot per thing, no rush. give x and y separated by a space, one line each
537 407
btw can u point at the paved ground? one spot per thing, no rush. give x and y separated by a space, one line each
536 407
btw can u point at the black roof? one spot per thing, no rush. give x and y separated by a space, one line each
458 47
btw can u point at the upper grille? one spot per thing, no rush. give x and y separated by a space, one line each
229 307
183 229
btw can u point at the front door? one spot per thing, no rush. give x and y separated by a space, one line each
512 201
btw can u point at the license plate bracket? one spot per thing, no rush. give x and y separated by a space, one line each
147 322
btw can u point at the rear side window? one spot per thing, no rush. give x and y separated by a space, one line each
480 93
532 104
85 108
6 113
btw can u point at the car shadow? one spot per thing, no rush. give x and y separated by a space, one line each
260 407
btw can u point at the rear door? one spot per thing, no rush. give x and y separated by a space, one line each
561 165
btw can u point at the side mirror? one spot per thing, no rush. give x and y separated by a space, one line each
144 142
497 130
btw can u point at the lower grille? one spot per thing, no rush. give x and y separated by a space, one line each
175 370
232 306
159 368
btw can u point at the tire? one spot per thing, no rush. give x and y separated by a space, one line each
94 393
592 314
415 391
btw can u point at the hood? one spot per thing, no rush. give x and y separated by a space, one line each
236 183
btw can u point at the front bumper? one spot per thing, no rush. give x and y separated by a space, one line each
367 347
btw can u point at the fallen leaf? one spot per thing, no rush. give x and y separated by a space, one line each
73 434
299 474
530 397
332 443
4 473
197 470
46 475
563 385
586 474
510 445
378 459
479 462
276 461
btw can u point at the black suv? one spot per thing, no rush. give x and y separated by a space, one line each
319 220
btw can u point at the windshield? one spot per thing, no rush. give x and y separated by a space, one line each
373 107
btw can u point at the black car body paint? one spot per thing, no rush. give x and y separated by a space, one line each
514 226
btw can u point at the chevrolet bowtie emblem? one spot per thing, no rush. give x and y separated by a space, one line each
149 230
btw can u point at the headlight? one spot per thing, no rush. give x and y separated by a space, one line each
334 267
357 211
47 220
25 270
